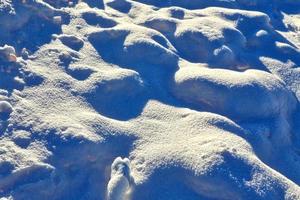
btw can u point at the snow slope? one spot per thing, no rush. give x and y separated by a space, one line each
149 99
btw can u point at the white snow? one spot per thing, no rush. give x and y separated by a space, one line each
5 107
119 183
149 99
260 94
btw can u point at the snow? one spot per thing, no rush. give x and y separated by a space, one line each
149 99
71 41
119 184
261 94
5 107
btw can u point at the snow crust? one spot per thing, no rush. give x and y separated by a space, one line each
149 99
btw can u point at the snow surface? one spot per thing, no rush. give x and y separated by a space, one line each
149 99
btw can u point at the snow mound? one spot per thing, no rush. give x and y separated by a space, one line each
246 4
148 99
201 163
129 41
260 94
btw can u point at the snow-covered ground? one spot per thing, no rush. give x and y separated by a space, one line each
149 99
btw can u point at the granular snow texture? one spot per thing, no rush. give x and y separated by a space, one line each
149 100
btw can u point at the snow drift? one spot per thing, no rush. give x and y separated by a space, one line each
148 99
